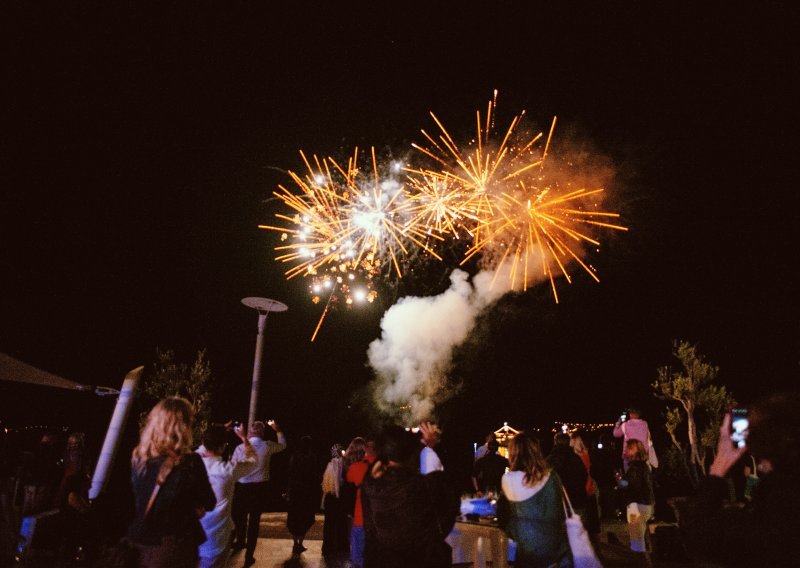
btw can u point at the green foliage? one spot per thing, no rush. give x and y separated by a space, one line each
170 378
692 397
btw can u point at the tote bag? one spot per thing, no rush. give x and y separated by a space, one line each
652 458
583 555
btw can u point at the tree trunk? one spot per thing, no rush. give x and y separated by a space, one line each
683 455
694 449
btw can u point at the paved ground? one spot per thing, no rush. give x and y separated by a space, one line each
274 548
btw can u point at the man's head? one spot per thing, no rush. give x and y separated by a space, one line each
215 439
493 446
257 429
561 439
396 444
634 413
306 445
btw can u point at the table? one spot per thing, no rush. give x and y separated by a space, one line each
468 542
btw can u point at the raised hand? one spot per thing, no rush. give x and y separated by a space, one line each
727 453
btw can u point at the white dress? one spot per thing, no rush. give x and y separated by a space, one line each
218 523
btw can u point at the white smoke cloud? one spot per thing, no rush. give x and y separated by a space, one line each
418 334
413 356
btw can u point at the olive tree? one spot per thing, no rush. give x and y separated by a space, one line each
192 382
693 398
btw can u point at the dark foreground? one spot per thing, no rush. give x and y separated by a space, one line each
275 548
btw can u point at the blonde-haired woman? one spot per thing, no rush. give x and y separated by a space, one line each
535 517
170 487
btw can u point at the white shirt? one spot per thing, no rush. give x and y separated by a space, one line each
481 451
222 475
516 489
264 451
429 461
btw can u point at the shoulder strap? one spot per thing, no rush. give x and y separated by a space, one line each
567 504
163 473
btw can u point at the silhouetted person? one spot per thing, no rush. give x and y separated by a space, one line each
41 474
570 469
488 470
407 515
335 536
304 492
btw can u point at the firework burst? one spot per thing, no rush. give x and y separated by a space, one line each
519 214
348 226
353 227
440 204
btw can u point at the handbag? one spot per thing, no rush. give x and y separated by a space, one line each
124 554
751 481
583 555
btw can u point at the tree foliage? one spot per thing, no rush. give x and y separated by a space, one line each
693 398
192 382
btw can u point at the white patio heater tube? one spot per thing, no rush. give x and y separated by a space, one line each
115 428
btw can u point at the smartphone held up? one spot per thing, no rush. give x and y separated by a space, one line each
740 427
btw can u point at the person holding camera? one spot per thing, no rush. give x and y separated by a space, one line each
630 426
252 490
763 533
222 475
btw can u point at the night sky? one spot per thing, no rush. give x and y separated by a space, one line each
138 148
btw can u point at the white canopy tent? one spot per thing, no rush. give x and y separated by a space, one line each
14 370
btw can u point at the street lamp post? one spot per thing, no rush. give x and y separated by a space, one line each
264 306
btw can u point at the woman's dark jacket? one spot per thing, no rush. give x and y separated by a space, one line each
175 510
640 484
406 519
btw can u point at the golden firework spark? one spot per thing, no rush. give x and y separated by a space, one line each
518 214
348 226
441 205
529 224
484 166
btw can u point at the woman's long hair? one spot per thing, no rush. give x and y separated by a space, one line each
639 453
524 454
355 452
167 433
576 441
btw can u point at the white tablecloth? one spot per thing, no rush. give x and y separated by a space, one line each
479 543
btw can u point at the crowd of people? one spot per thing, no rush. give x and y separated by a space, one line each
389 501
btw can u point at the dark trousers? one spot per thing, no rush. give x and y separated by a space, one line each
335 533
249 501
169 554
